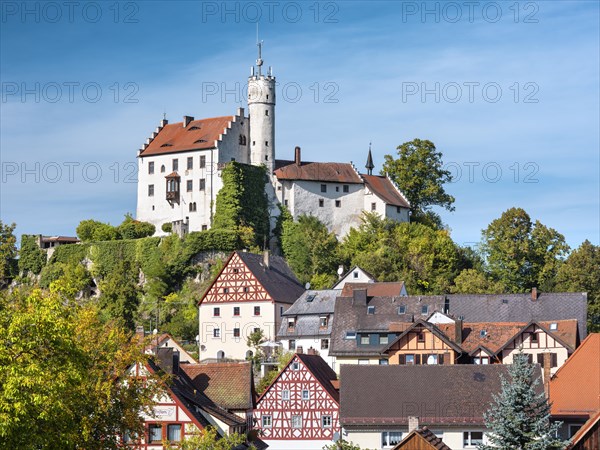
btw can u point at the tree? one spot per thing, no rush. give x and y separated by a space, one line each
61 370
134 229
8 251
522 255
342 445
519 417
31 257
92 230
427 260
283 358
119 293
309 248
420 175
208 439
473 281
581 272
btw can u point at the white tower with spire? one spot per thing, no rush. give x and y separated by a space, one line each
261 107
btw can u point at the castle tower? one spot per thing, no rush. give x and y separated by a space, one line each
261 107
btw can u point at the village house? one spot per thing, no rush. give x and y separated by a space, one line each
251 292
307 323
380 404
575 388
421 439
300 409
354 275
182 409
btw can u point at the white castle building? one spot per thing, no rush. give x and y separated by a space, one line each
179 170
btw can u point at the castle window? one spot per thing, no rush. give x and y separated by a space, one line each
253 142
321 202
151 167
216 312
202 162
236 332
190 163
338 203
236 310
217 332
150 190
373 206
266 112
323 188
257 310
202 184
346 188
189 185
175 165
266 145
285 202
204 227
162 169
266 157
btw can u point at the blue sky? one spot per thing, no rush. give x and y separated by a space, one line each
508 92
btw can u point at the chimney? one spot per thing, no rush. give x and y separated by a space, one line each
360 297
311 351
546 372
534 294
458 325
187 120
266 259
299 350
297 158
413 423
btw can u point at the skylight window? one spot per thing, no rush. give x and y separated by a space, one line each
370 310
483 333
505 301
166 144
554 326
310 298
350 334
424 309
195 127
200 141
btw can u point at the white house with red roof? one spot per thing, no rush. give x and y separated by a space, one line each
300 409
179 171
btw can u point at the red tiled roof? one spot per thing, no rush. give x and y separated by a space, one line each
198 135
584 430
229 385
566 330
385 190
496 335
575 387
319 171
376 289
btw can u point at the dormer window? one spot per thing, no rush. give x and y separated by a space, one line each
291 324
323 321
370 310
554 326
166 144
402 309
483 333
200 141
310 298
424 309
194 127
350 334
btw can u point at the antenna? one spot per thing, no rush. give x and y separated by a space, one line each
259 61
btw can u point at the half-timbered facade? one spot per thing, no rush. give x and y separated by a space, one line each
251 292
424 343
300 410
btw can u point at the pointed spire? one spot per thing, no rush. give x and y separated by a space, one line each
370 166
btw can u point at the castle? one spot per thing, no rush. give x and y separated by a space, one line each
179 170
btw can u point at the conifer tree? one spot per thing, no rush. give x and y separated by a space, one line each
519 417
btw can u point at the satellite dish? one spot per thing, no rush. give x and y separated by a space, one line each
336 436
340 270
197 338
155 331
307 286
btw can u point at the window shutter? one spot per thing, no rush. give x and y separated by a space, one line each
417 359
402 359
540 359
441 359
529 358
554 360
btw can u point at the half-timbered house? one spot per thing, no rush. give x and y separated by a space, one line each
250 293
300 409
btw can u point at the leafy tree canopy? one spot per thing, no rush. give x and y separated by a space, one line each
31 257
521 254
8 251
60 369
581 272
309 248
208 439
419 173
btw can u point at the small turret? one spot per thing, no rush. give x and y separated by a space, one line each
370 166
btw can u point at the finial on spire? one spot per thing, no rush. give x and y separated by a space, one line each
370 166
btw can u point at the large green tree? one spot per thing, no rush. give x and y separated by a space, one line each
8 252
521 254
426 259
519 416
31 257
581 272
61 374
119 293
419 173
310 249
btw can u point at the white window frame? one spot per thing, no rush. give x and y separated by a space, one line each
469 444
385 439
285 394
305 394
326 418
267 418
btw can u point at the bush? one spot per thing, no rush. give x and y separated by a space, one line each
167 227
134 229
31 257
